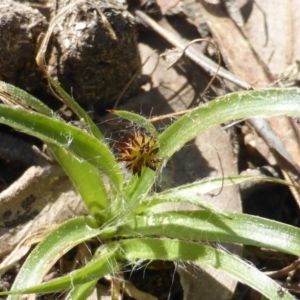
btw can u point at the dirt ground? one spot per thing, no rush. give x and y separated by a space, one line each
259 45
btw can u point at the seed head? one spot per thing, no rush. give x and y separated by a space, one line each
138 151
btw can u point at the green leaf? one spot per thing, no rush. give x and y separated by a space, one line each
176 250
191 193
239 105
57 243
15 96
88 181
82 291
138 187
137 119
209 226
78 110
104 263
82 144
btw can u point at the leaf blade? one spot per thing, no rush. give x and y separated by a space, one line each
178 250
52 131
57 243
263 103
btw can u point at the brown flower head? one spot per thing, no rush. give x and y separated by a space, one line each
138 151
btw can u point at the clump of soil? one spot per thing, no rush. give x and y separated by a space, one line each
92 50
96 51
20 27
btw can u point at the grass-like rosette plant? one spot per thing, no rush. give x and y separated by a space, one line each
124 214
